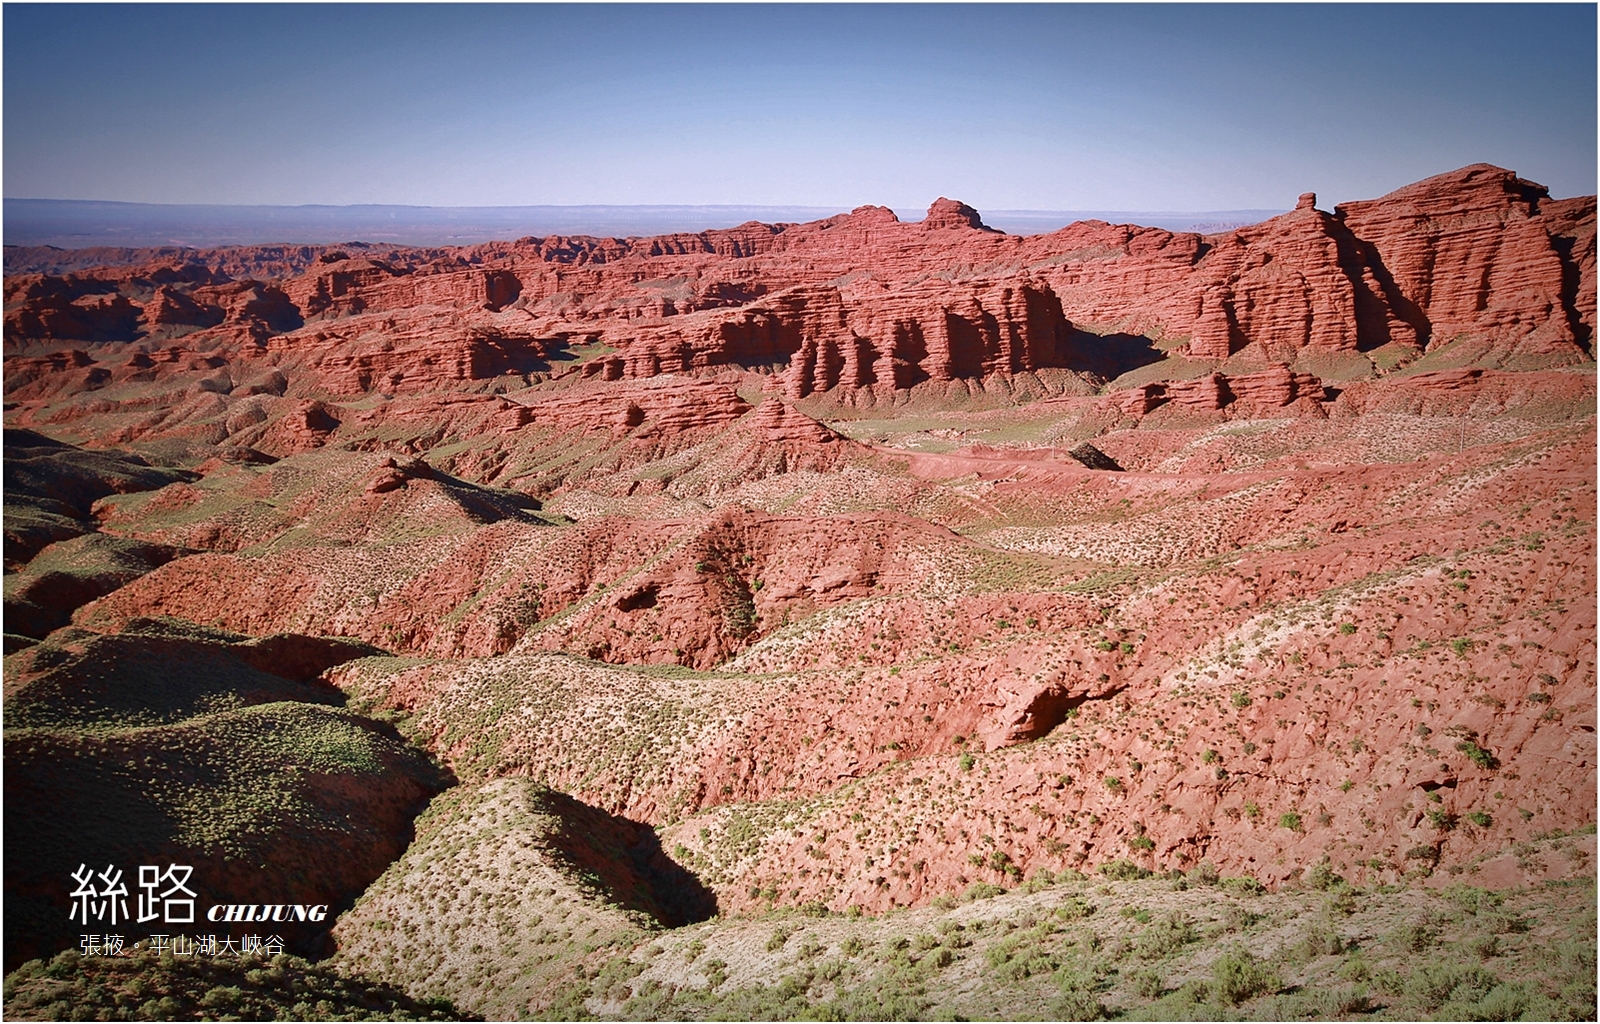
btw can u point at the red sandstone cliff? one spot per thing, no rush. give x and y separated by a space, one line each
863 302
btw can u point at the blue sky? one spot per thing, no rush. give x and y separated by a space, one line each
1115 107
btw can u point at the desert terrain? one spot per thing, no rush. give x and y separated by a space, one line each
853 619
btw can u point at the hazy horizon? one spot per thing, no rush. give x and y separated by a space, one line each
1121 107
69 223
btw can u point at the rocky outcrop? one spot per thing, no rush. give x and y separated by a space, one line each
170 313
1091 457
949 213
393 474
70 308
817 339
305 426
1294 282
783 423
173 301
656 408
1476 255
862 301
335 287
425 349
1276 387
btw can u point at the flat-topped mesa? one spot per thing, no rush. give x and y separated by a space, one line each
950 213
866 216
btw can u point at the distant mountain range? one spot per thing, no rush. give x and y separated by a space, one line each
71 224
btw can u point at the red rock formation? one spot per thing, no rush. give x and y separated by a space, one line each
393 474
1476 256
1294 282
22 371
818 339
655 408
171 313
1275 387
1472 392
72 308
335 289
306 426
256 310
948 213
419 350
1272 388
783 423
863 301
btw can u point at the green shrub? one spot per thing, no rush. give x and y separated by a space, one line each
1121 870
1319 940
1345 1001
1478 755
1146 983
1433 984
1290 820
1355 969
981 891
1322 877
1078 1004
716 973
1512 1002
1238 976
780 937
1409 938
1168 935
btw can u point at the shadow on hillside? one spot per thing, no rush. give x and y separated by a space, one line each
1109 356
625 860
